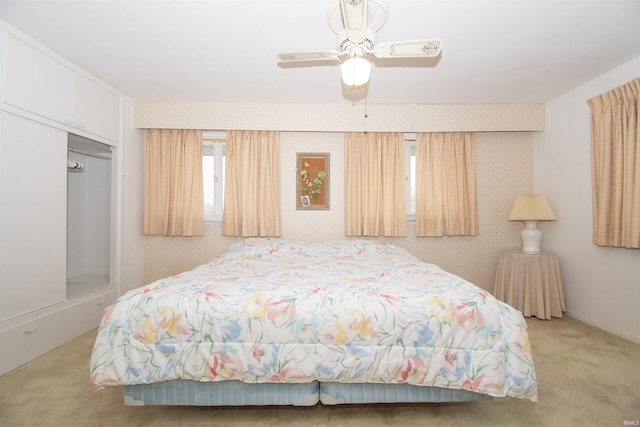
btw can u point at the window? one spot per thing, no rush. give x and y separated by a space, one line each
213 170
410 140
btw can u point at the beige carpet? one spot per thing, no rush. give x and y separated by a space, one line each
586 377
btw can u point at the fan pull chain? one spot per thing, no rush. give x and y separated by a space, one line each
366 106
366 112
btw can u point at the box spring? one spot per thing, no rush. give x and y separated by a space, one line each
224 393
337 393
236 393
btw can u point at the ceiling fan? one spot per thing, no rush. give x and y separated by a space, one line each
356 22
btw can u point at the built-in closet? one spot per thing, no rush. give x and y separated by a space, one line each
89 200
59 189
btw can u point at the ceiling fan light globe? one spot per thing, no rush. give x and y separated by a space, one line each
355 71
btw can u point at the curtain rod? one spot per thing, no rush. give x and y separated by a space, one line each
97 156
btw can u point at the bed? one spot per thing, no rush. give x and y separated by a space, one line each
279 322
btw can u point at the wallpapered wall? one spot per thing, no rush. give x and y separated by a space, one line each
340 117
504 170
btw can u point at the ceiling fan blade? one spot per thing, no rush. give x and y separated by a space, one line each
427 48
354 18
309 56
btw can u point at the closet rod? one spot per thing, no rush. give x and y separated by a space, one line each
98 156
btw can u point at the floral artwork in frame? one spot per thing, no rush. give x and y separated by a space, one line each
312 183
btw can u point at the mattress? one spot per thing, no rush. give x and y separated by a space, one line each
273 311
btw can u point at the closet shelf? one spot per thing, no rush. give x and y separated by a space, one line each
81 290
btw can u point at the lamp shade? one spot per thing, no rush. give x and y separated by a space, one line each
355 71
532 207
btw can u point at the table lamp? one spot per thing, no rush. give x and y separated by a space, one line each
530 209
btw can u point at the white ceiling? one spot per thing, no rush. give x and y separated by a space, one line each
498 51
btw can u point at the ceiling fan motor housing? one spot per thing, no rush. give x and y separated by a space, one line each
346 45
376 16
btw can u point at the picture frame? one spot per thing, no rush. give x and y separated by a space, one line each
312 181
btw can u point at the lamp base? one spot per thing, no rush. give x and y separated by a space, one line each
531 237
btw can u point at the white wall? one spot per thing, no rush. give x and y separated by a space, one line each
132 198
601 285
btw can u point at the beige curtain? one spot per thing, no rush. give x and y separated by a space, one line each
173 199
252 184
446 197
615 166
375 184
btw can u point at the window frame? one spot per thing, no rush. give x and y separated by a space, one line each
218 140
410 142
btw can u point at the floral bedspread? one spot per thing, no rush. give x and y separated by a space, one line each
348 311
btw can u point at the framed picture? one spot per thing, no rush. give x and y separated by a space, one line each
312 183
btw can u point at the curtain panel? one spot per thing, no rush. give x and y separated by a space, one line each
446 195
375 184
615 166
173 198
252 184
